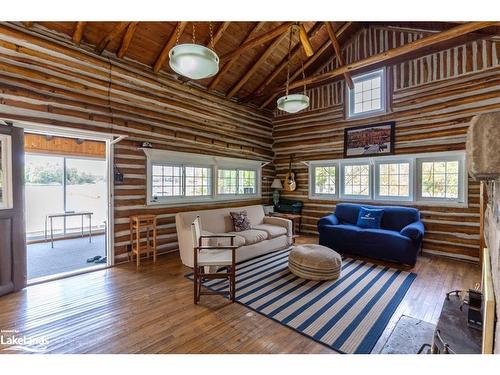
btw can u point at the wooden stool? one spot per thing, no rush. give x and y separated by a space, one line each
138 224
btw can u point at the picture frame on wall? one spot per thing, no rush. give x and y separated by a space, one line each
369 140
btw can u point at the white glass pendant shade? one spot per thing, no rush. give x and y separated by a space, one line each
293 103
193 61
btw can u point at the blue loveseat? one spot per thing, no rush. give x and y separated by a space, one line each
398 240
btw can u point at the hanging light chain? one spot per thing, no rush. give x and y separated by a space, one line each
303 71
194 33
178 33
210 29
288 63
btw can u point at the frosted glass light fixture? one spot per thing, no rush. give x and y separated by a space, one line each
293 103
193 61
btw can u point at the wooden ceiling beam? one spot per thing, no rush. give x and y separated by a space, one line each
127 38
28 24
416 48
338 53
220 31
261 39
162 57
229 64
283 64
117 30
304 39
263 57
78 32
341 31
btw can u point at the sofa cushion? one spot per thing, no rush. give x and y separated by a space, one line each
273 231
221 241
369 218
252 236
240 221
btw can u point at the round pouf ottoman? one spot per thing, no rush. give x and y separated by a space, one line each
314 262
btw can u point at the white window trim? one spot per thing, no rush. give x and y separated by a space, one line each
237 195
462 178
7 202
345 163
312 180
411 178
383 95
165 157
416 160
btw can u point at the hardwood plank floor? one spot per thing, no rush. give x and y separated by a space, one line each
122 310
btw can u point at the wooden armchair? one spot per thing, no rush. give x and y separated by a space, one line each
209 259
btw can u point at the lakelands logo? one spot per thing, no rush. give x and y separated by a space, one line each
11 340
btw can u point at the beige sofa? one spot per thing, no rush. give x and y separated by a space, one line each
268 234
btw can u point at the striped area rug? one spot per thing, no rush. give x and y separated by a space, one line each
348 314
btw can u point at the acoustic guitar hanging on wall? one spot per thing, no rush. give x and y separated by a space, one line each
290 184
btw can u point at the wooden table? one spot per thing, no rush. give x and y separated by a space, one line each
295 218
50 217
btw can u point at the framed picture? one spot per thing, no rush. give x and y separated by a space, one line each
369 140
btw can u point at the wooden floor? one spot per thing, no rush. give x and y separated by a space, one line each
122 310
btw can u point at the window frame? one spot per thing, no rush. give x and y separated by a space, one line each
238 170
312 180
6 159
183 159
411 178
415 161
383 94
350 163
462 178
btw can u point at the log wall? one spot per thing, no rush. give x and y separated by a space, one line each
432 100
51 82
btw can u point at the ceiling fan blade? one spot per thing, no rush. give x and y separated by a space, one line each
304 39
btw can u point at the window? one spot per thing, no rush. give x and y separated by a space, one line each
393 180
167 181
368 95
356 180
324 180
178 177
237 182
438 179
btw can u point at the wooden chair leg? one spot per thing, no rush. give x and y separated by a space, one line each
154 242
195 286
232 282
138 246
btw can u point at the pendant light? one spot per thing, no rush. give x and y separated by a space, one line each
293 103
194 60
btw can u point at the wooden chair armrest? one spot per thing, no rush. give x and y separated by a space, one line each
217 236
215 247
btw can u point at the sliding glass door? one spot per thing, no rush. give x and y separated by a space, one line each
57 184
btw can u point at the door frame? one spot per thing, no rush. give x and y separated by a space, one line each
110 140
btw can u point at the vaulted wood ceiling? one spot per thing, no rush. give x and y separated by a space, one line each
253 54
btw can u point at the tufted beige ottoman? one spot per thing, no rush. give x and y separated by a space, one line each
314 262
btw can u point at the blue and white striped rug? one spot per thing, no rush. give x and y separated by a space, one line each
348 314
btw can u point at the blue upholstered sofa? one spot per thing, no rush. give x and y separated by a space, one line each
398 240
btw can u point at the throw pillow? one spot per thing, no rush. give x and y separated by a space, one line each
369 218
240 221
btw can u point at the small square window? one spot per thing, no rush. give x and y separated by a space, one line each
368 94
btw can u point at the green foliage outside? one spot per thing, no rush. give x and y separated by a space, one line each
42 175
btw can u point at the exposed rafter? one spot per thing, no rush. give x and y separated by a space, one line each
230 63
310 61
127 38
338 53
162 57
117 30
304 39
220 31
415 48
78 33
263 57
265 37
282 65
